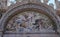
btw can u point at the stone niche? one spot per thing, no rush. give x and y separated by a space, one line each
29 20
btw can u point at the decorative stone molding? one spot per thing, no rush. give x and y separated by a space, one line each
32 6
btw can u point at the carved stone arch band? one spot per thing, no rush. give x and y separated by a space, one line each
40 8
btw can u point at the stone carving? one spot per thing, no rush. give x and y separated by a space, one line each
29 21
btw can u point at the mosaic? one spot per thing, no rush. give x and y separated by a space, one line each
29 21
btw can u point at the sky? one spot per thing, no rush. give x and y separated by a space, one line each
50 1
10 1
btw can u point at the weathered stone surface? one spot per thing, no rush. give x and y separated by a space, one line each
31 35
31 6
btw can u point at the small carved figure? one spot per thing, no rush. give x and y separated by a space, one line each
38 23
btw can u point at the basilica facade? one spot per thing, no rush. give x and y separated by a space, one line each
29 18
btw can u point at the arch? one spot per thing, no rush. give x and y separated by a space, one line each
13 10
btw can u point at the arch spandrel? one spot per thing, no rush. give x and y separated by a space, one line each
41 8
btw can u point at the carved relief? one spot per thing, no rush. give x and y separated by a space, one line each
29 21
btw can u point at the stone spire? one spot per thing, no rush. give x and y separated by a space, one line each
57 4
3 4
45 1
